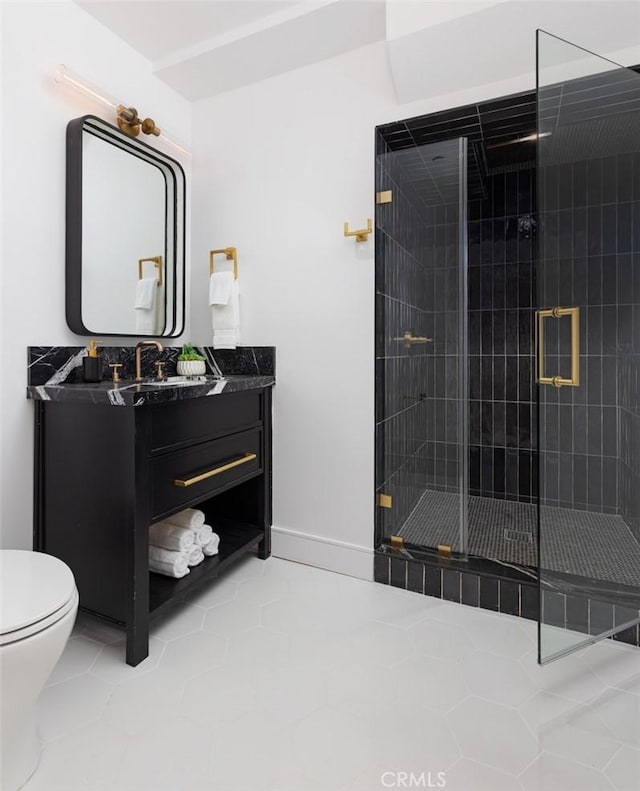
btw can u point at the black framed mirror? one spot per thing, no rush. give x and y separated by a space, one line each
125 234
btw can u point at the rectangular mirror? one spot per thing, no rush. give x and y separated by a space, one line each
125 248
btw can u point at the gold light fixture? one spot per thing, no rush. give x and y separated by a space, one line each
127 118
131 124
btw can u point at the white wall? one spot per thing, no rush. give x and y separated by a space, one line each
35 38
278 167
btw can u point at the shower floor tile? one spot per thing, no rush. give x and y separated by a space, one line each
585 544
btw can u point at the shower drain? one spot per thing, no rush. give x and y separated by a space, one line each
521 536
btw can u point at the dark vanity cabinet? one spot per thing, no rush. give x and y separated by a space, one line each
104 473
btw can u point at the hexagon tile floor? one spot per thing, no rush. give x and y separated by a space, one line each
283 677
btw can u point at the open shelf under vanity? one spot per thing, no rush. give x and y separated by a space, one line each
236 539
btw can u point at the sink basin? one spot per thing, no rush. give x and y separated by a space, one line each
178 381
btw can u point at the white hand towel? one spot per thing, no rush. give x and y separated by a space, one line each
212 547
226 339
145 306
203 535
170 536
146 293
190 518
220 286
171 564
195 556
225 320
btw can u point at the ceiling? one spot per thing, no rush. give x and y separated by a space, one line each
205 47
157 28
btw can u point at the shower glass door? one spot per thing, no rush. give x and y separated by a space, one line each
588 346
421 343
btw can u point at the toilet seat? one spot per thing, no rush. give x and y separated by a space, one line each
36 591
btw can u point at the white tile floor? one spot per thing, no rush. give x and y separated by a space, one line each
283 677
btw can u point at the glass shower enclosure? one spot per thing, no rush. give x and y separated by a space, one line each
508 340
421 342
588 346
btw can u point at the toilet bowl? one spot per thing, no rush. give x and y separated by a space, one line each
38 606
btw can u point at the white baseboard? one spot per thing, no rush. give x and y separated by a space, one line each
324 553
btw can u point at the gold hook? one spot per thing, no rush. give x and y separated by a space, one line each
362 234
230 253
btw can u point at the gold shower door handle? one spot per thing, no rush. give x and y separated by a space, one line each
558 313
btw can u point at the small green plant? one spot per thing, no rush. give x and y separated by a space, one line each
189 353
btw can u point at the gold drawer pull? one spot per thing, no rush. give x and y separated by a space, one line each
558 381
215 471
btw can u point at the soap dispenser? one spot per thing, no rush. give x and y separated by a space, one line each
92 364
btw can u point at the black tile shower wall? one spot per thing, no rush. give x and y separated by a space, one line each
590 434
502 415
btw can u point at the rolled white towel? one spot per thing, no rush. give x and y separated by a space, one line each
190 518
212 547
163 555
203 535
167 562
170 536
195 556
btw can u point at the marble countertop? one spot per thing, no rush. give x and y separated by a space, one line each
128 393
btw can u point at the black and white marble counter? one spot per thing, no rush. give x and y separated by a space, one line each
55 374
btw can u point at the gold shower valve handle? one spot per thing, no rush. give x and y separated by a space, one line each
362 234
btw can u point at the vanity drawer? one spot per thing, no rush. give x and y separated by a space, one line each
180 478
200 419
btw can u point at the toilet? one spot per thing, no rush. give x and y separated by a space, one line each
38 606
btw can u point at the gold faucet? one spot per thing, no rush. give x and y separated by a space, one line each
139 347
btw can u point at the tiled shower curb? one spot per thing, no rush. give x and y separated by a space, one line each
444 579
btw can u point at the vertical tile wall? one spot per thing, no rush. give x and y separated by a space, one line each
590 214
502 413
589 434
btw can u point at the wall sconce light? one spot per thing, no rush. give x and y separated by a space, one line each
127 118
